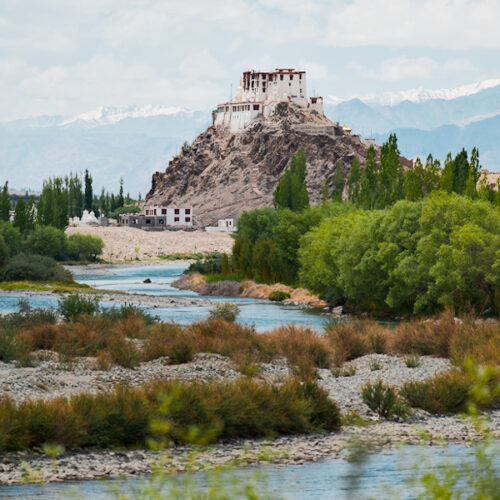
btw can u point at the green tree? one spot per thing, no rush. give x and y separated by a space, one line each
53 204
353 181
5 203
120 200
391 175
89 195
225 267
474 174
369 180
431 175
48 241
324 191
338 182
4 252
265 261
291 191
12 237
242 257
22 218
461 172
447 175
413 187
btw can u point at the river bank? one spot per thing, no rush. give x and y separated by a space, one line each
16 468
53 377
197 282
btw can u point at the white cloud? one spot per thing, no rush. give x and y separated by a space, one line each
416 68
315 71
445 24
203 65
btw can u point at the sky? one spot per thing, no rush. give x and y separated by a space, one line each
65 57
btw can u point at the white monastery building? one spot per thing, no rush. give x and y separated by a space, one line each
258 94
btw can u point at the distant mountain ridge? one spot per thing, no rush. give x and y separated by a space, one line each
134 141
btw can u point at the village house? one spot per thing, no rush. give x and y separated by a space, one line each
258 94
159 217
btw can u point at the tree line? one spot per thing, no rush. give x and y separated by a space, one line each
385 238
63 198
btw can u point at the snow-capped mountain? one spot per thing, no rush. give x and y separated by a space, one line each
134 142
419 94
111 114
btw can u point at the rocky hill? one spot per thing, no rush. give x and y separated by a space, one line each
222 174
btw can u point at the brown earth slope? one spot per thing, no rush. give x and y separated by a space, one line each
222 174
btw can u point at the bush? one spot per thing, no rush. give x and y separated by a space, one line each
48 241
211 264
74 305
447 393
126 311
380 398
12 238
4 252
278 296
84 247
34 268
28 316
123 416
227 312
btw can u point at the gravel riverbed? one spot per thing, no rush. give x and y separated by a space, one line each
52 378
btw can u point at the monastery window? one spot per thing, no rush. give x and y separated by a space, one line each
161 222
263 89
148 221
291 77
263 77
188 211
256 107
164 211
176 211
188 219
176 219
281 77
300 77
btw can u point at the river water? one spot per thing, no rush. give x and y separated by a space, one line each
262 314
379 477
383 476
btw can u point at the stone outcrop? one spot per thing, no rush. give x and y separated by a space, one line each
222 174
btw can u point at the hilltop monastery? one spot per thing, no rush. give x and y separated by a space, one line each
258 94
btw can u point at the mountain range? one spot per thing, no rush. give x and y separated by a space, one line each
134 142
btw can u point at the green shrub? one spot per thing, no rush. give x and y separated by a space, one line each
380 398
74 305
413 362
12 237
443 394
4 252
125 311
124 415
278 296
211 264
180 352
84 247
28 315
48 241
227 312
34 268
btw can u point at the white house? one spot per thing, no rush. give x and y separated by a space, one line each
258 94
159 217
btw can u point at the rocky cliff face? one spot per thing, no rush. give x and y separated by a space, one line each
223 174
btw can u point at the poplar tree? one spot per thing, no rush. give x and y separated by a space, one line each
447 175
5 203
324 191
338 182
460 172
291 191
413 187
89 196
391 173
431 174
474 174
369 180
353 186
